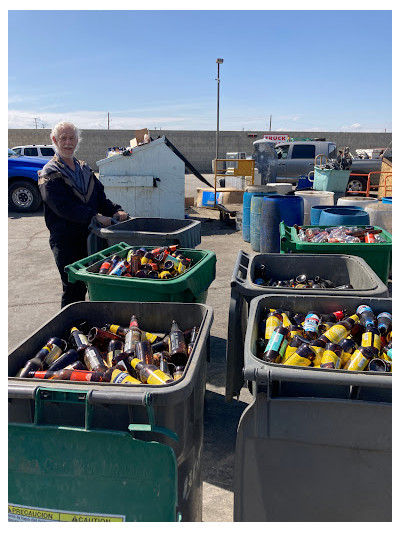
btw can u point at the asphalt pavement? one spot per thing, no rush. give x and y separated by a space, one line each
34 294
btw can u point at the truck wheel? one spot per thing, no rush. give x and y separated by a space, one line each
357 183
24 197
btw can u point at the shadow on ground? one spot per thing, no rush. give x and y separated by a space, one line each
221 420
14 215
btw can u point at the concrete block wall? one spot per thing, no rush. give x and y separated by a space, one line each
197 146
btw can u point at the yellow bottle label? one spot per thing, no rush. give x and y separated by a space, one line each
272 323
286 321
157 377
114 328
318 350
371 339
118 376
356 319
357 361
288 352
297 360
345 357
144 260
330 357
181 268
146 336
336 333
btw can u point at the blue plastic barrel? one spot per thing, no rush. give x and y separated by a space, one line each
387 200
289 209
316 210
337 216
247 196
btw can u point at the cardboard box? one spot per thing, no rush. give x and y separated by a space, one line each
140 137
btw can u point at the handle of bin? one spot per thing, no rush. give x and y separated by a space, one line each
88 399
241 267
346 378
283 230
309 176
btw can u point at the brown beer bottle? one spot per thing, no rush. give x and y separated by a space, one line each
303 356
133 336
193 336
57 347
116 375
67 358
340 330
117 330
115 347
36 363
331 356
93 359
276 346
67 374
294 343
78 340
144 352
177 345
149 373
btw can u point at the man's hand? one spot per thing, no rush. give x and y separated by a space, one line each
103 221
120 215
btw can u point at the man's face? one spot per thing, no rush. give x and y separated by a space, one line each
66 142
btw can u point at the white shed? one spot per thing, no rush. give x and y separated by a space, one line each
148 183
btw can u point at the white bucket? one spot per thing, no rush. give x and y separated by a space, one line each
380 215
358 201
312 198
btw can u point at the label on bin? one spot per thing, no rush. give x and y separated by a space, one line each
22 513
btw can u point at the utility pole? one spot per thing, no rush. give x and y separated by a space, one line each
270 122
219 62
108 120
36 119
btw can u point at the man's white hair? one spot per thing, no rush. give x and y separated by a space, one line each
55 132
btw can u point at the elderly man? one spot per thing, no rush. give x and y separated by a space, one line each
72 196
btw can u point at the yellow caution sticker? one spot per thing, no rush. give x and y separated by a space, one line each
21 513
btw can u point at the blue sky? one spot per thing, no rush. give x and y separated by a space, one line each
310 70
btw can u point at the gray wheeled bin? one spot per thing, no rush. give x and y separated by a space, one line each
170 414
137 231
342 269
315 444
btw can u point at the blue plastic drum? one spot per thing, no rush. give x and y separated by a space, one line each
339 216
247 196
316 211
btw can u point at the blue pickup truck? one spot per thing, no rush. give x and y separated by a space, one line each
23 191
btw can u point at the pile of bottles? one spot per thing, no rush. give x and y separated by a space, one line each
160 263
114 354
350 234
358 342
302 281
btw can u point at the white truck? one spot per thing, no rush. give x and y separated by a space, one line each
297 158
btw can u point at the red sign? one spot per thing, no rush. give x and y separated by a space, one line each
277 138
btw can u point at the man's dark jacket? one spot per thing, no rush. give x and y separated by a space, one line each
67 211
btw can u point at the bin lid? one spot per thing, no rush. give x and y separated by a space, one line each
71 474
